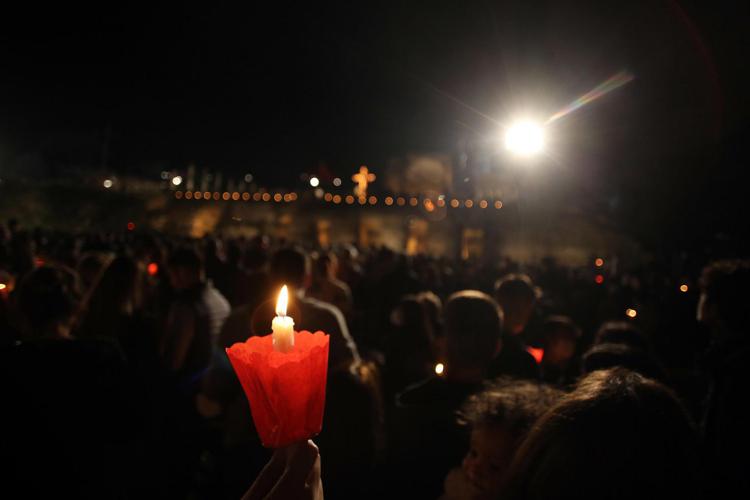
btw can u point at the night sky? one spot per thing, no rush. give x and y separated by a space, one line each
278 90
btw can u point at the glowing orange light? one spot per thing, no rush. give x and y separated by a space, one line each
372 200
328 197
152 269
282 301
439 368
349 199
256 196
293 196
277 197
226 196
188 195
538 354
599 279
498 205
631 313
3 286
388 200
454 203
441 202
198 195
683 288
235 196
413 202
599 262
429 205
178 195
400 201
217 196
469 203
131 226
266 197
337 199
483 204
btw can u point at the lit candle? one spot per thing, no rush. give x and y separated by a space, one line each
283 325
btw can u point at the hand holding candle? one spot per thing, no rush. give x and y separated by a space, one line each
284 378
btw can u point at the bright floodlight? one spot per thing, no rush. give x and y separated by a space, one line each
524 138
176 180
314 181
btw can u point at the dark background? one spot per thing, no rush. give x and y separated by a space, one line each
279 90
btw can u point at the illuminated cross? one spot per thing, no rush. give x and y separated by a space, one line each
363 179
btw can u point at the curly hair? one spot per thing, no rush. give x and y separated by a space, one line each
511 403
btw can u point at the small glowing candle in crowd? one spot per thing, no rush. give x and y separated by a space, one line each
439 368
282 325
683 288
153 269
631 313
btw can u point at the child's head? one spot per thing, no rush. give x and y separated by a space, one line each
500 417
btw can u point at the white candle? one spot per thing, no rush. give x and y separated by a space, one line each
283 325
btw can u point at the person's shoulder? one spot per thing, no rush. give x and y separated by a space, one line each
320 307
420 393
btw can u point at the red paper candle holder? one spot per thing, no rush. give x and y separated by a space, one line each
286 391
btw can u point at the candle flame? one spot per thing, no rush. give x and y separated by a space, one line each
282 302
439 368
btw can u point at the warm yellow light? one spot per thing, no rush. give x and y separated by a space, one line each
282 302
483 204
469 203
235 196
439 368
599 262
328 197
314 182
3 286
413 202
266 196
337 199
107 183
349 199
246 196
683 288
498 205
277 197
225 196
372 200
176 180
388 201
401 201
524 138
631 313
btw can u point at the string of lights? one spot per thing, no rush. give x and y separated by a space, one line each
429 204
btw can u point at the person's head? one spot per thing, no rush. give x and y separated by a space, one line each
324 265
290 266
725 295
47 300
500 417
185 268
517 297
618 435
473 324
434 308
622 332
560 337
612 355
117 291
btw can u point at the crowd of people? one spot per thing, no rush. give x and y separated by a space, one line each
453 379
